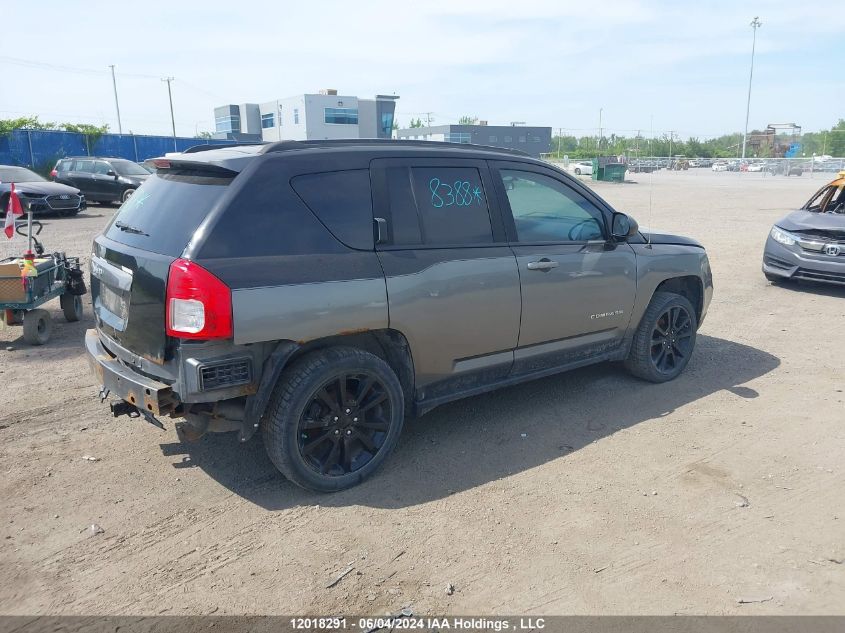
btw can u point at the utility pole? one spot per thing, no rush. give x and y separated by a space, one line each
755 24
172 119
598 143
116 104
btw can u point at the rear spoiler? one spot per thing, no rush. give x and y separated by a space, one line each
178 166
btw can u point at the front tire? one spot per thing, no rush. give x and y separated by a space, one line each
335 416
577 172
126 195
664 340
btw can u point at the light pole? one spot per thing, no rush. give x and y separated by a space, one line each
755 24
116 104
172 119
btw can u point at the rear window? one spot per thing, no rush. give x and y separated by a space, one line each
128 168
165 211
343 202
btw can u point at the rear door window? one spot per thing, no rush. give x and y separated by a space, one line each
438 206
343 202
83 165
165 211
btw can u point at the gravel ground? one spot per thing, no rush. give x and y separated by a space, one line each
584 493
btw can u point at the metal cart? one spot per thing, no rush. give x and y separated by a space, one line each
22 295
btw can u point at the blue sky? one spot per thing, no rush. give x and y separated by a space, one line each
683 65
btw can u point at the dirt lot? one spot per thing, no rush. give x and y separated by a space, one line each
589 492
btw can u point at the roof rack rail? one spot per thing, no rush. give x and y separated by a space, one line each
205 147
283 146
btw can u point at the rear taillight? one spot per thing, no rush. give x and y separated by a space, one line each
198 304
53 173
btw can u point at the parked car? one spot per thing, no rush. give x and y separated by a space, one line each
582 168
638 165
809 243
320 291
720 166
755 167
37 193
101 179
793 169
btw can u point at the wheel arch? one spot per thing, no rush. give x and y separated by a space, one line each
388 344
689 286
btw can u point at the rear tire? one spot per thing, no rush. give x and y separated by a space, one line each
577 172
664 340
71 306
308 434
37 327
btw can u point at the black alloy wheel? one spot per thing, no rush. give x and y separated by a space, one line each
335 416
664 340
345 424
671 339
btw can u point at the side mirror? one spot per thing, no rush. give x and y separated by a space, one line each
623 226
110 172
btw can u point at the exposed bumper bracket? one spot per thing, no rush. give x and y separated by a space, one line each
149 397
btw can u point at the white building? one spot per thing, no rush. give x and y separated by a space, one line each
326 115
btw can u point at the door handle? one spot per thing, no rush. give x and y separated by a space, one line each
381 230
544 264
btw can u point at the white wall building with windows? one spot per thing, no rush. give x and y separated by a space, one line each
533 140
326 115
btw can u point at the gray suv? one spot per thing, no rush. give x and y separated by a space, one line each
320 292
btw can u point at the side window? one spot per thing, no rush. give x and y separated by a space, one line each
438 206
64 165
84 165
101 167
404 217
545 210
343 202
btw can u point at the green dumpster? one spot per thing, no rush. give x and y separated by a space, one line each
608 169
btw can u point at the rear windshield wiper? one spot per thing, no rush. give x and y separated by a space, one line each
129 229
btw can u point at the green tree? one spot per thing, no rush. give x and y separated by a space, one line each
204 134
416 123
836 139
24 123
468 119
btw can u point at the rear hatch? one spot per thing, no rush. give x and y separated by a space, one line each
132 257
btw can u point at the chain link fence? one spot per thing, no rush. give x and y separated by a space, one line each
827 167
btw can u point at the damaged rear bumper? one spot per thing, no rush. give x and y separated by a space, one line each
147 394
